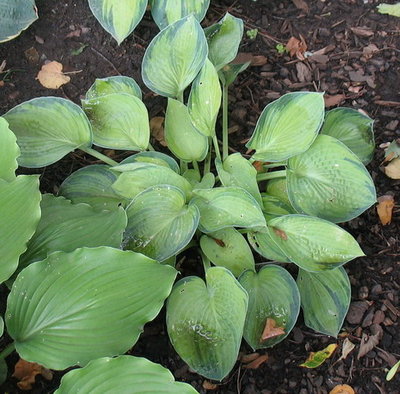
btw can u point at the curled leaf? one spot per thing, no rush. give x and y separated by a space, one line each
26 373
51 75
256 362
314 360
385 209
271 330
342 389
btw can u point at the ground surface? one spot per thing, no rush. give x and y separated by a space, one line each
357 64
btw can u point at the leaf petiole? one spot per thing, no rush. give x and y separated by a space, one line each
271 175
99 156
225 136
7 351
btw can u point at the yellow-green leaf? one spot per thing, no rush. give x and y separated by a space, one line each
314 360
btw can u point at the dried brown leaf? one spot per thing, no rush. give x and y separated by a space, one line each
297 47
332 101
257 362
342 389
26 373
392 170
385 208
362 31
347 348
368 342
255 60
271 330
247 358
157 129
209 386
51 75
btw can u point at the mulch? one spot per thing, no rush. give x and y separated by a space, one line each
352 54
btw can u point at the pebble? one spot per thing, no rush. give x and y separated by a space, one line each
363 293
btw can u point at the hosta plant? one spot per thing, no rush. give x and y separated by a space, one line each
89 267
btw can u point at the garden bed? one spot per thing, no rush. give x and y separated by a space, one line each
357 66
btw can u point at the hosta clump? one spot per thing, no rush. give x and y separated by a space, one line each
305 175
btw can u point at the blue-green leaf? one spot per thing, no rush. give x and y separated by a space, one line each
9 151
115 84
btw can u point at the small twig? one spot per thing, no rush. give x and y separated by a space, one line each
105 59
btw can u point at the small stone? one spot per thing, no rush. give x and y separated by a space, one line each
363 293
379 317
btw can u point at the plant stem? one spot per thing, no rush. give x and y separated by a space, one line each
206 261
100 156
216 147
207 163
274 165
150 147
225 137
196 166
180 97
8 350
271 175
183 165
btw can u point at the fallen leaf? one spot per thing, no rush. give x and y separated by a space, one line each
331 101
368 342
392 150
270 329
301 5
385 208
51 76
314 360
296 47
362 31
280 233
392 170
342 389
26 373
392 371
390 9
255 60
257 362
247 358
209 386
370 50
157 129
303 72
32 55
347 348
3 66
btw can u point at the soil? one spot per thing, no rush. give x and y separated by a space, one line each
357 65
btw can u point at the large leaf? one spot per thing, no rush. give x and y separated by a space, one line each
119 120
229 73
205 100
278 188
205 321
237 171
223 207
273 295
287 126
85 304
160 223
183 139
65 227
137 177
165 12
228 248
47 128
224 39
313 244
352 128
263 244
118 17
274 207
329 181
122 375
92 185
19 216
115 84
9 151
153 157
180 51
16 16
325 299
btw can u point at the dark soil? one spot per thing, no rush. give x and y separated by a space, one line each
358 62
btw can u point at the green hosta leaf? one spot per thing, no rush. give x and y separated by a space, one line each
229 73
92 185
313 244
183 139
274 207
137 177
116 84
390 9
273 294
86 304
1 326
205 100
205 321
278 188
237 171
153 157
9 151
119 120
263 244
224 39
165 12
223 207
160 224
325 299
352 128
119 18
228 248
193 177
65 227
48 128
16 16
180 51
121 375
329 181
20 214
287 126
